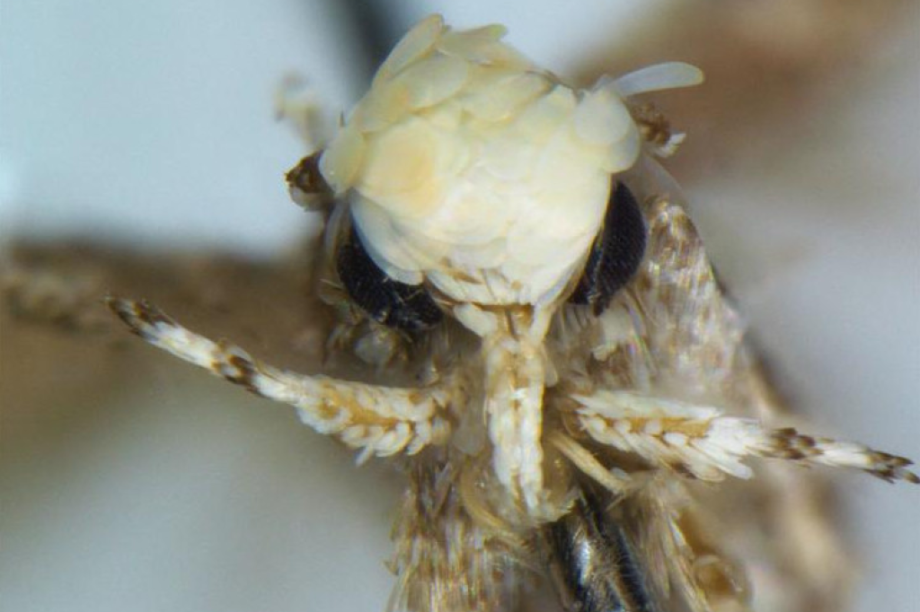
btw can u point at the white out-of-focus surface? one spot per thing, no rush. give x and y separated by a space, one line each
151 123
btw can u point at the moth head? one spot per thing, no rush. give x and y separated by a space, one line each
471 171
472 183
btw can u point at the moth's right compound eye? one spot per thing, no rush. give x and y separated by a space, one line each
616 254
408 308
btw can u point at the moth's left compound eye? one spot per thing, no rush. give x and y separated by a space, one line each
408 308
616 253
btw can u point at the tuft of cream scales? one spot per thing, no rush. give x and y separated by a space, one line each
471 168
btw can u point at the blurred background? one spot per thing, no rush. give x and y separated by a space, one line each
131 482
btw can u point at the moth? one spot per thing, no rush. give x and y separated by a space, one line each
528 326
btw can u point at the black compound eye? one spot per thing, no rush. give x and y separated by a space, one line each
616 254
405 307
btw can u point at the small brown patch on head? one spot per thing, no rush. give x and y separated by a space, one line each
653 125
306 177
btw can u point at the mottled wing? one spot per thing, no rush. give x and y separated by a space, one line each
689 345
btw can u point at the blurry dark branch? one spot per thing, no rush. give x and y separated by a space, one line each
377 27
55 327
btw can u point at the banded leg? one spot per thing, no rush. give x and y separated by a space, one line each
378 420
704 442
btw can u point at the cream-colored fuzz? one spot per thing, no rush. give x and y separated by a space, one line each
470 168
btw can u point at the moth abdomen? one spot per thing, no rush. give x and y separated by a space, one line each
596 566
